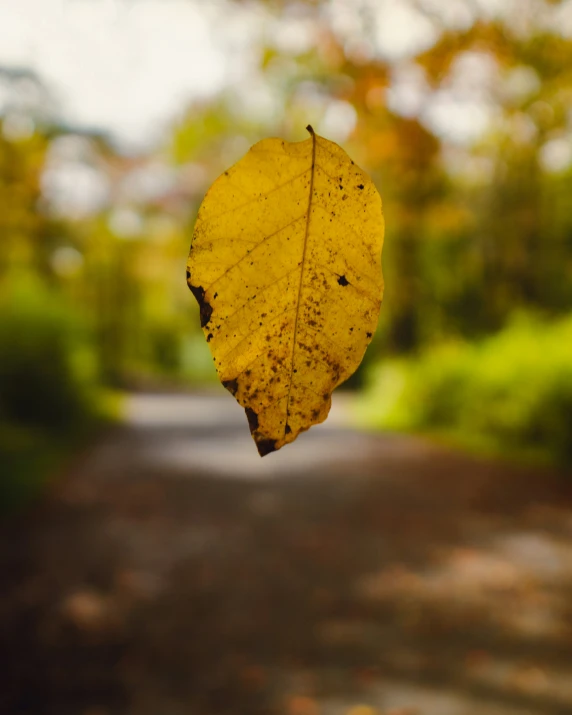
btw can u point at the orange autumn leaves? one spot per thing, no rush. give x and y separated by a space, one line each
285 264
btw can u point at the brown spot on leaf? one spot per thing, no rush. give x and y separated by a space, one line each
287 429
369 335
252 418
360 186
231 385
205 307
343 281
209 337
265 446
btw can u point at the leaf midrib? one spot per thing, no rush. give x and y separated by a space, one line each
299 297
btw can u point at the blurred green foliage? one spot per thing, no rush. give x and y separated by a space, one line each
510 393
48 386
47 366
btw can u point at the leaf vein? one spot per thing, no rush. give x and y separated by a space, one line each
355 287
349 228
249 253
256 330
334 179
262 290
333 342
338 305
255 198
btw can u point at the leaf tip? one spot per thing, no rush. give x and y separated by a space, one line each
266 446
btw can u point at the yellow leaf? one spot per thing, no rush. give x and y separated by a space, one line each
285 264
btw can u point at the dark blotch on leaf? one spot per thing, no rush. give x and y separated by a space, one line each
205 308
209 337
188 274
360 186
287 429
343 281
252 418
231 386
369 335
265 446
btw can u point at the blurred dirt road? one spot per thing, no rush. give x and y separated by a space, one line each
174 572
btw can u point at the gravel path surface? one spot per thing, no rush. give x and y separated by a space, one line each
174 572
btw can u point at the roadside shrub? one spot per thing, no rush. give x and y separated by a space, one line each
48 399
511 392
47 369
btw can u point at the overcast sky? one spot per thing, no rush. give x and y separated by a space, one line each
130 66
123 66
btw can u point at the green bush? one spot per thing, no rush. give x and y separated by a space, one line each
511 392
48 399
47 369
